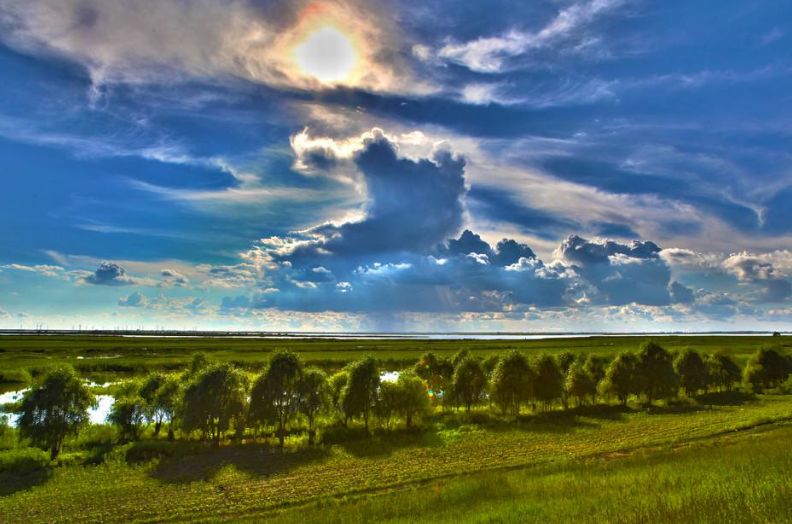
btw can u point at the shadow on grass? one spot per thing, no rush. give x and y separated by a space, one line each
726 398
258 460
10 483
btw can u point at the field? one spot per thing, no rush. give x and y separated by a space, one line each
111 355
722 458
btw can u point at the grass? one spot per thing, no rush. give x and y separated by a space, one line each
732 478
105 357
190 481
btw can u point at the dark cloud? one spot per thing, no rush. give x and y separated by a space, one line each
136 299
110 274
681 294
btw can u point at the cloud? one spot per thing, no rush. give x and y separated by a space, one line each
172 40
174 278
492 54
759 270
110 274
136 299
46 270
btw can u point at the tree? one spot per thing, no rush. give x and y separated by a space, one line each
275 397
359 396
549 383
214 400
512 382
579 383
167 401
149 393
776 366
54 409
656 375
620 377
412 400
595 367
128 414
755 376
722 371
387 402
436 372
692 372
565 361
314 395
336 386
469 382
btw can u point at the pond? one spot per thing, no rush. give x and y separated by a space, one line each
97 414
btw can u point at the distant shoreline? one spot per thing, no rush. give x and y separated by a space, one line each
451 335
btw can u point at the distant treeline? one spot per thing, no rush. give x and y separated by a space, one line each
217 401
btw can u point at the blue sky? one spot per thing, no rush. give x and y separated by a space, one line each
544 165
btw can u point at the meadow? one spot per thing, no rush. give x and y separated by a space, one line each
715 457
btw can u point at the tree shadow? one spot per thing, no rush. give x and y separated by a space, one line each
12 482
725 398
383 443
259 460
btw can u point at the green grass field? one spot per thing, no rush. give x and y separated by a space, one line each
107 356
722 460
249 480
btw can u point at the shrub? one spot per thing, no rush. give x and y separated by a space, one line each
23 460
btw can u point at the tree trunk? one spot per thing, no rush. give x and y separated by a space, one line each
54 451
170 433
157 426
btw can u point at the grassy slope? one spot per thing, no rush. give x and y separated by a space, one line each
139 354
247 480
744 477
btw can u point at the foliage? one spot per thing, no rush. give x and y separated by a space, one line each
768 368
436 372
128 413
722 371
620 377
167 401
549 382
655 372
512 382
469 382
54 409
314 397
149 392
275 397
692 372
579 383
336 385
359 396
214 400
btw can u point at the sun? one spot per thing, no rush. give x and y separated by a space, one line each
327 54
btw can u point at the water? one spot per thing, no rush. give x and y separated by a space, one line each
97 414
389 376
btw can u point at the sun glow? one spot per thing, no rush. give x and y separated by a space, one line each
327 54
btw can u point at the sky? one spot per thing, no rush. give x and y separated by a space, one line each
553 165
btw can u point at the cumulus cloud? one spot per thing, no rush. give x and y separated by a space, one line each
173 278
110 274
136 299
759 270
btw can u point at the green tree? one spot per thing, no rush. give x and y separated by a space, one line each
595 367
359 396
579 383
755 376
387 402
620 377
565 361
436 372
722 371
656 375
128 413
512 382
469 382
275 397
549 382
336 386
692 372
167 401
775 365
314 397
198 363
412 401
214 400
149 392
54 409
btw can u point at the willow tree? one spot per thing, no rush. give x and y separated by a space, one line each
275 397
214 400
54 409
